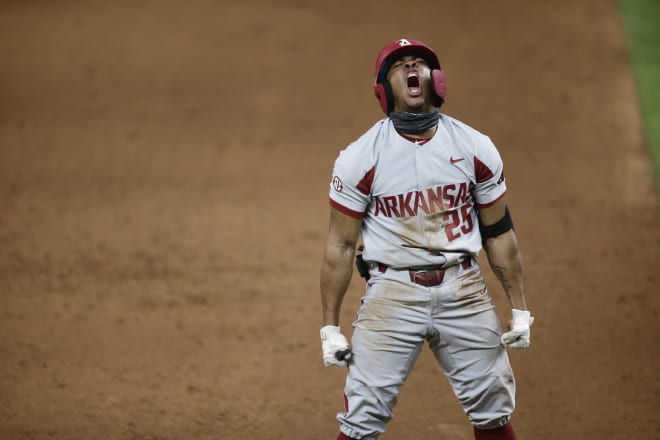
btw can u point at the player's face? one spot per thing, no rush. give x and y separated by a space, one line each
410 77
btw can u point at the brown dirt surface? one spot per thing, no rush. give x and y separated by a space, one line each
164 172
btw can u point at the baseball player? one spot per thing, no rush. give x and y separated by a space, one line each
425 192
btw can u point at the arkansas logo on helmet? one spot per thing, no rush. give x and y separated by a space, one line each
396 49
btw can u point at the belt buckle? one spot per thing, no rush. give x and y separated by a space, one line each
435 280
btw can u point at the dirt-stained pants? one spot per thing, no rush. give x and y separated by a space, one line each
458 321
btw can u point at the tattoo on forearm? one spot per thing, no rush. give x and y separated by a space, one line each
506 283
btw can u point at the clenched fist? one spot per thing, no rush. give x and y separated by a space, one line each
336 350
518 336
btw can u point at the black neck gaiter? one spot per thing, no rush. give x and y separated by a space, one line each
415 122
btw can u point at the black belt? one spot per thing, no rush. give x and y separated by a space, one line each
428 277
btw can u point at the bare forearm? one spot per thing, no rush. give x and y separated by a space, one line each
336 273
506 261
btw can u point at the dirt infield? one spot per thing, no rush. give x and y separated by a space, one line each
164 171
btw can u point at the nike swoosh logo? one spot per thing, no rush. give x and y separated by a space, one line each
454 161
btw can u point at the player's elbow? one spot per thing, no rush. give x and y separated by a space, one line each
503 246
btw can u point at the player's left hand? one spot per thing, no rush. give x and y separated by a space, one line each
518 336
336 350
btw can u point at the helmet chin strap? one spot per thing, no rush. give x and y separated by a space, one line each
414 123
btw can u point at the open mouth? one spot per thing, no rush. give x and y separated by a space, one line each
413 84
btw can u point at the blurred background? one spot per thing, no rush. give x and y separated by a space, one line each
164 177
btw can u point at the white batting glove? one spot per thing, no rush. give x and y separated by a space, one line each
518 336
336 350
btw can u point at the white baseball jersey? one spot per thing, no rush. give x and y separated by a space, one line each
418 200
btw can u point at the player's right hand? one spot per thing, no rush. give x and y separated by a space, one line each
336 350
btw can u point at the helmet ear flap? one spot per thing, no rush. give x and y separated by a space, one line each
383 92
439 84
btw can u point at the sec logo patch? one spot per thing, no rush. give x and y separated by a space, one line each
336 184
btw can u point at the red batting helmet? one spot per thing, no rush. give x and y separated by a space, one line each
382 87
